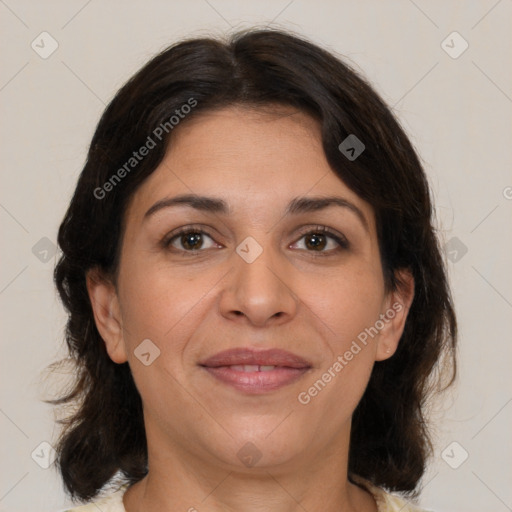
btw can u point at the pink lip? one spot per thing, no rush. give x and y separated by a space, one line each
289 367
271 357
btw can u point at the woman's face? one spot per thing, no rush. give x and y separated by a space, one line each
251 279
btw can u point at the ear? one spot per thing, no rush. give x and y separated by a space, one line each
107 313
394 315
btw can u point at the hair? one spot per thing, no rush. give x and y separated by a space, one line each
259 68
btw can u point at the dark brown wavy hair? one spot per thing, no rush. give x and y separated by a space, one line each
390 443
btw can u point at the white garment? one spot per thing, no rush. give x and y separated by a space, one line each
386 502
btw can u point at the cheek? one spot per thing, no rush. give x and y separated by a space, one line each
337 387
348 307
348 301
167 304
163 305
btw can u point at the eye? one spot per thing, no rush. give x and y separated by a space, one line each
317 239
189 240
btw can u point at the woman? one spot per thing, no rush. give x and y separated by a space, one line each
258 306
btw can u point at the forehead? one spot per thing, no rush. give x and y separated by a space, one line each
244 144
252 159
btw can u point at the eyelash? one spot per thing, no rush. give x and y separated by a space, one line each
323 230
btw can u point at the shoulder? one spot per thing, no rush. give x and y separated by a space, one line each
392 503
112 502
388 502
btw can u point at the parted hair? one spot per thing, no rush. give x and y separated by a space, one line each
391 439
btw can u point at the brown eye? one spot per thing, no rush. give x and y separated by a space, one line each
316 241
191 240
323 241
187 240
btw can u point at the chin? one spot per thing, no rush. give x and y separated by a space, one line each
265 447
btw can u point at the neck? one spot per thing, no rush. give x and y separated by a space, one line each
181 480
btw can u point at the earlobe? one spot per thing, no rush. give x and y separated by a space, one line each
107 315
397 307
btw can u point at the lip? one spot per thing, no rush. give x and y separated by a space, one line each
269 357
288 368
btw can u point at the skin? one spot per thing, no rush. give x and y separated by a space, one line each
192 307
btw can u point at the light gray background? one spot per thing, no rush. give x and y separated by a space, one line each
456 110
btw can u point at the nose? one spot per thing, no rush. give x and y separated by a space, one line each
259 291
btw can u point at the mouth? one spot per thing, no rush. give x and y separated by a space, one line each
251 367
256 372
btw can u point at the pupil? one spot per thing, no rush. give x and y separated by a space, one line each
320 241
191 239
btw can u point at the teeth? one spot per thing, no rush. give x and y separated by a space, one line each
251 368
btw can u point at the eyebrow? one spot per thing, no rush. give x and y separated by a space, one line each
296 206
